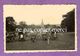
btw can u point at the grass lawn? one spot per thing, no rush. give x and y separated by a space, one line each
65 41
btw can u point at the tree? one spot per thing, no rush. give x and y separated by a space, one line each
10 24
69 21
22 24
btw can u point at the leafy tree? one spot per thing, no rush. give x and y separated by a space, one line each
69 21
10 24
22 24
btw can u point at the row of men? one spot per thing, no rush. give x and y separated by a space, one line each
32 36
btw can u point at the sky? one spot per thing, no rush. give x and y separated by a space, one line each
34 14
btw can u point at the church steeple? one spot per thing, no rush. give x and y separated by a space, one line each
42 24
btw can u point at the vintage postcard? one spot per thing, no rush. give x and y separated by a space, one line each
39 28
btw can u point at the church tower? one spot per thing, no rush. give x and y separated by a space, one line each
42 24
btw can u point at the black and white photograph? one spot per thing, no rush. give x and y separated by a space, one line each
40 28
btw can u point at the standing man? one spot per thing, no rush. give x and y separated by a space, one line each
48 37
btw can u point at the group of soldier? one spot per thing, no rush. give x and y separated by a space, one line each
32 36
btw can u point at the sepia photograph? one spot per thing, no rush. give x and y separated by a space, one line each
39 28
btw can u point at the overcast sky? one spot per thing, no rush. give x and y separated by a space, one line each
33 14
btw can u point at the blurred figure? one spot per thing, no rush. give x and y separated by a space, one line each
33 36
55 35
21 36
